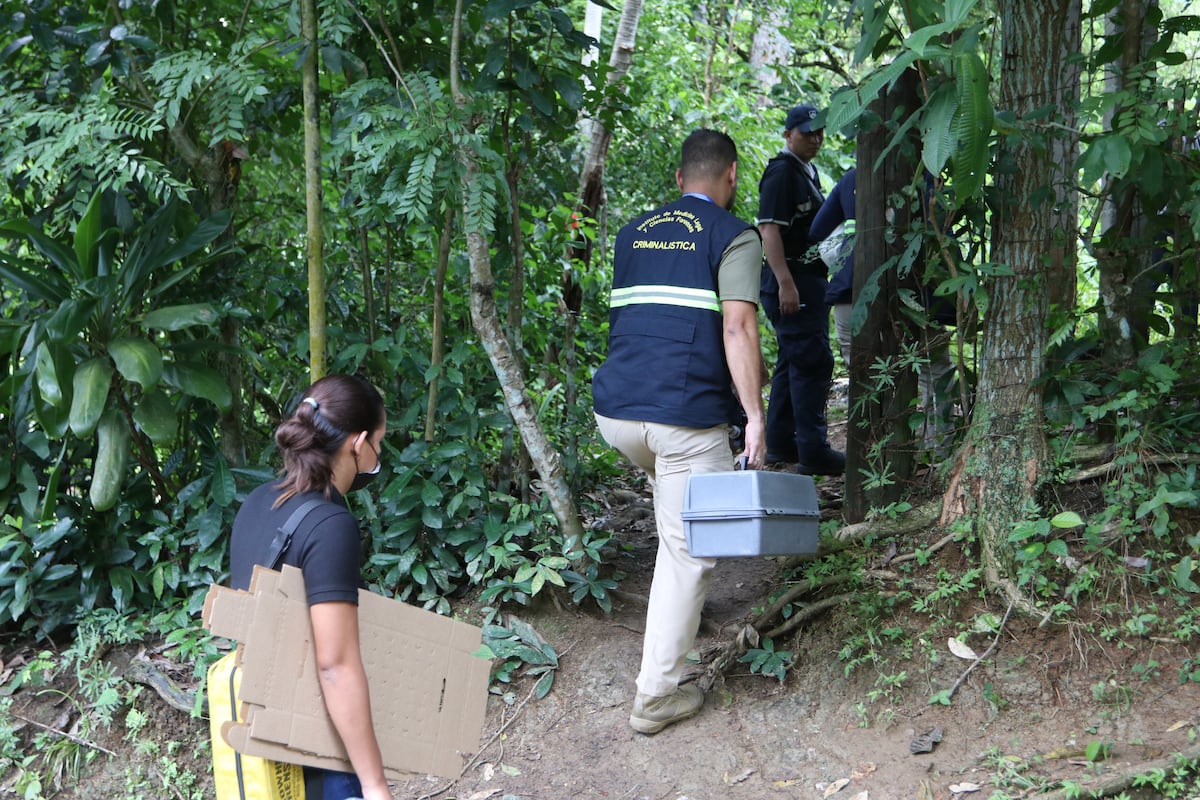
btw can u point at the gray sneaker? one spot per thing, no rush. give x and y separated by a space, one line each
652 714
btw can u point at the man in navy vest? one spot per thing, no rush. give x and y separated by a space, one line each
793 297
683 335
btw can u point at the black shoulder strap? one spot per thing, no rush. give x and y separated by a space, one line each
283 536
813 180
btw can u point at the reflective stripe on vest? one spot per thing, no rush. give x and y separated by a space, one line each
704 299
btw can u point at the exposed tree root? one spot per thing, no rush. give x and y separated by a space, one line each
1115 784
1109 467
768 624
918 519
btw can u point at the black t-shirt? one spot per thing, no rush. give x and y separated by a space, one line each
325 546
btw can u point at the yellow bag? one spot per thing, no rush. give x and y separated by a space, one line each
237 776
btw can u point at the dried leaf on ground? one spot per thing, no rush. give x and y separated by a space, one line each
738 778
835 787
961 650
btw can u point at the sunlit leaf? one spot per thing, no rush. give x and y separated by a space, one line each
137 360
1066 519
175 318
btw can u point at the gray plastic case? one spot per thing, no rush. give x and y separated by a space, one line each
751 513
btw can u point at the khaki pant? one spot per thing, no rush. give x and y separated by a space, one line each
668 454
841 325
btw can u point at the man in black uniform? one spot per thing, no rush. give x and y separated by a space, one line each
793 297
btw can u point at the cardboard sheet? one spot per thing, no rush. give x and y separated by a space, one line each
428 693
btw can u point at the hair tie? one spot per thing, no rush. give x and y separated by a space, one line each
312 403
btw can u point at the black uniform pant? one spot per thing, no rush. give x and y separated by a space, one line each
796 427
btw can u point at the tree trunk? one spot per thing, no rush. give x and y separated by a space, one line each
370 310
313 194
591 178
879 415
486 323
998 472
769 49
512 477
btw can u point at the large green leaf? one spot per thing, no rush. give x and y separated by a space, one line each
937 139
58 255
152 250
957 11
845 106
87 237
137 360
48 382
70 318
52 419
146 254
199 381
918 40
224 487
1109 154
174 318
155 415
972 127
38 283
875 19
90 388
208 230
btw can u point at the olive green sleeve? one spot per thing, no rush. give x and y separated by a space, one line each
738 272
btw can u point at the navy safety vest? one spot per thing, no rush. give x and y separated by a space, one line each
666 350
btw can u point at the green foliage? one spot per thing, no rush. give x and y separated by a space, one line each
96 694
766 660
1040 554
590 584
949 592
101 689
102 700
94 349
231 84
107 373
77 150
956 117
1182 780
398 150
518 651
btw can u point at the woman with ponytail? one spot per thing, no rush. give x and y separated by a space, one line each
330 446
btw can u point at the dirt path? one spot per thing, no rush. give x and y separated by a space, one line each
1031 709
